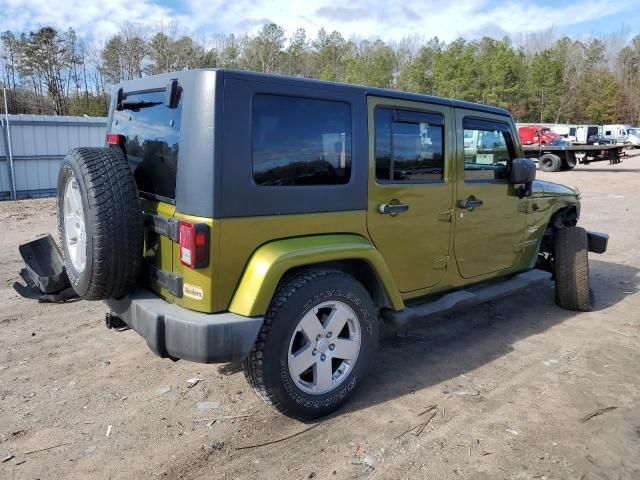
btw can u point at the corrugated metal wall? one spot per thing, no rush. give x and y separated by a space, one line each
38 144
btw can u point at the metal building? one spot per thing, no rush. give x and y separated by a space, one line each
32 146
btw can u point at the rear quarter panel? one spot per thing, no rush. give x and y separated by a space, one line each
201 280
241 237
271 261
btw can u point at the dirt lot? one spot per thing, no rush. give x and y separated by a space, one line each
513 381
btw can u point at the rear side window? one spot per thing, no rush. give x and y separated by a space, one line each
409 146
151 133
300 141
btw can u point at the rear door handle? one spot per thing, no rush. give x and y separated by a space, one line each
392 208
470 203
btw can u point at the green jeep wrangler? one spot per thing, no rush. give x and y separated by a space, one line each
236 216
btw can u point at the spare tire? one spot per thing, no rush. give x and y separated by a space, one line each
100 223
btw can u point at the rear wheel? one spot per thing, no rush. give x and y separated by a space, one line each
549 162
570 161
100 223
571 258
318 338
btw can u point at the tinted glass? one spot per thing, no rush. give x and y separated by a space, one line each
152 134
383 143
487 153
408 151
300 141
417 151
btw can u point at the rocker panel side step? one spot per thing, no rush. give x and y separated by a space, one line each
464 298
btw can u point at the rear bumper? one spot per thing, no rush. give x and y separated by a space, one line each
597 242
175 332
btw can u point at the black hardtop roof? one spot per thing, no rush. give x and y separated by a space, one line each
140 84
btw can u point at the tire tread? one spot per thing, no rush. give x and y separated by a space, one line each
116 218
252 365
572 269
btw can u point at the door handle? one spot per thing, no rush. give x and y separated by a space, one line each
392 208
470 203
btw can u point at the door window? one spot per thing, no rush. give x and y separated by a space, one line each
409 146
488 148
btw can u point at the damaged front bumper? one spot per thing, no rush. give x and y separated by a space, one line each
598 242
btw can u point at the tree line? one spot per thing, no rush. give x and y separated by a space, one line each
540 77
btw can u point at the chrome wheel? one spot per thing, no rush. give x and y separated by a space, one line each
75 235
324 347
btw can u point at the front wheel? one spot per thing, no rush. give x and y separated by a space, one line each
571 258
318 338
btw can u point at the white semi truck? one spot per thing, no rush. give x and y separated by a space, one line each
617 132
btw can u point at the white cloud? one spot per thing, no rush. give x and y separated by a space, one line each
390 19
395 18
94 18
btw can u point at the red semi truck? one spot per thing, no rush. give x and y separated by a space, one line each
536 134
553 153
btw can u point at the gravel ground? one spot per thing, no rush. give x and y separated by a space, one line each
513 382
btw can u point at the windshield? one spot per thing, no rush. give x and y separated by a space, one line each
634 131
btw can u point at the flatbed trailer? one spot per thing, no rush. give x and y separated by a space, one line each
552 158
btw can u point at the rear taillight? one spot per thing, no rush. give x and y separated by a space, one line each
194 244
114 139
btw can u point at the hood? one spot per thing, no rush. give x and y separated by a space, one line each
550 134
542 188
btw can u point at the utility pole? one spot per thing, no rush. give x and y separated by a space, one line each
12 177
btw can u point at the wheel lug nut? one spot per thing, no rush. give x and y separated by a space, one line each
329 335
314 352
318 337
323 357
332 346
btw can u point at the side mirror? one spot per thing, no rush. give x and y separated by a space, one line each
523 170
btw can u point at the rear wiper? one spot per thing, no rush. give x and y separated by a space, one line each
136 104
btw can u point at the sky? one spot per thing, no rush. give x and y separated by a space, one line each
386 19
